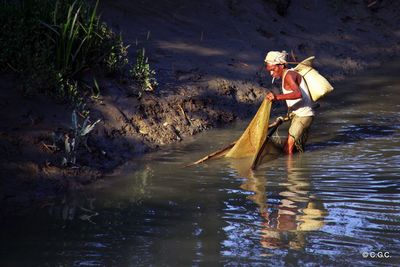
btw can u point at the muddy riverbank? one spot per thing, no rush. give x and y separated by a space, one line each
209 62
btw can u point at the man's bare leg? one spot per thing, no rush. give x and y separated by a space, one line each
289 147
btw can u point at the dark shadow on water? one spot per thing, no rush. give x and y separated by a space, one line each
354 133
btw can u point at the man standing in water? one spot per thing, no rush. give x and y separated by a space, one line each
297 97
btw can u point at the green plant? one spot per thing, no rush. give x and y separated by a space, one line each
49 44
117 59
24 48
78 137
73 34
95 88
67 89
142 72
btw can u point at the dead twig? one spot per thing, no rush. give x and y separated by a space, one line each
184 114
81 115
372 4
49 148
293 56
215 154
86 145
11 67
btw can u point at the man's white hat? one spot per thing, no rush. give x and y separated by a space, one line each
276 57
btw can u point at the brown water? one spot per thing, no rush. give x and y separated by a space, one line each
325 207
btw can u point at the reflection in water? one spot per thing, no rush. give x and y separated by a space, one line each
289 211
75 206
69 209
136 188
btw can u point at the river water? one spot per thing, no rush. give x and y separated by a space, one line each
335 205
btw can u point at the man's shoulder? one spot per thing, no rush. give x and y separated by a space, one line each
293 75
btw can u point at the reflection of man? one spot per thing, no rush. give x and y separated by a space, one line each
293 213
297 97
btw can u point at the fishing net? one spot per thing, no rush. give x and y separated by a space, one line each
254 142
254 136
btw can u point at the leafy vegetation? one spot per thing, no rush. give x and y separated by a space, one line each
52 43
142 72
58 47
77 138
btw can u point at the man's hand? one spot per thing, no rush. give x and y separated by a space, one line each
270 96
